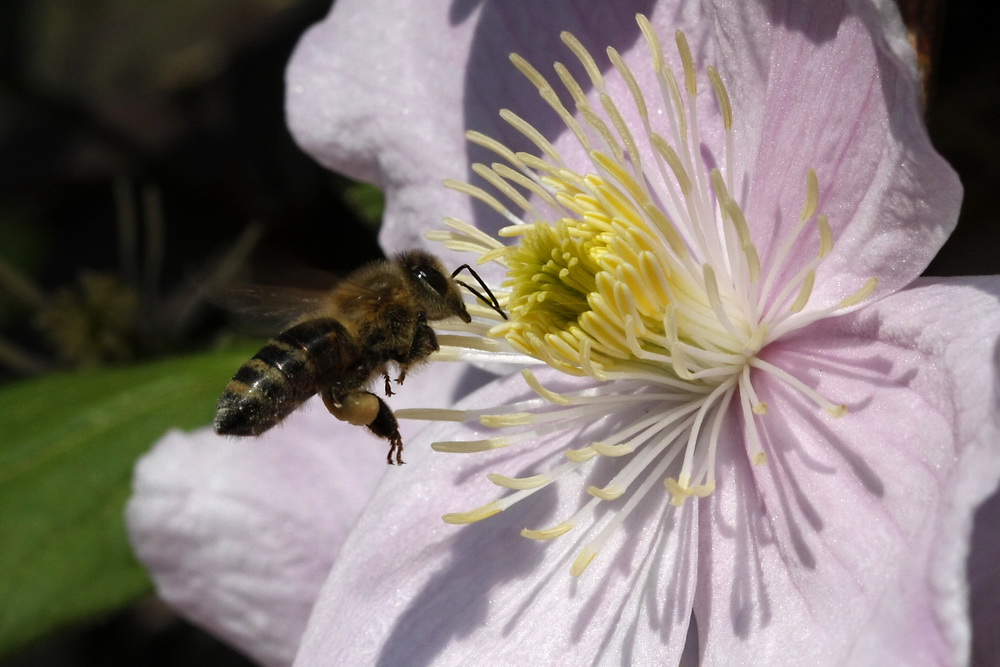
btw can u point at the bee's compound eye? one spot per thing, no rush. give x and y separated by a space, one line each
432 277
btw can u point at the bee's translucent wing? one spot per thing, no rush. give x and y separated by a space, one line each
267 309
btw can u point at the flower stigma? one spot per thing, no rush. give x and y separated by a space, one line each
639 275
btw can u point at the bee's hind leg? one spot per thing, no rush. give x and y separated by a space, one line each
385 426
363 408
359 408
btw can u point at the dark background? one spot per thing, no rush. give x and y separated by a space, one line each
177 108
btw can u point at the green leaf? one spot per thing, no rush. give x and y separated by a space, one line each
367 202
68 444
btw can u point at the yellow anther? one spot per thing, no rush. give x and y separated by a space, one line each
580 455
477 193
612 450
530 73
494 179
825 236
690 75
570 40
679 491
547 394
722 97
673 161
655 49
571 85
606 493
433 414
582 561
804 292
812 196
469 446
746 243
503 421
862 294
547 533
837 411
472 516
529 131
519 483
633 86
493 145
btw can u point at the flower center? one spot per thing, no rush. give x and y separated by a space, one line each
639 275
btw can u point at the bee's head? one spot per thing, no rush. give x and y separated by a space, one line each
438 292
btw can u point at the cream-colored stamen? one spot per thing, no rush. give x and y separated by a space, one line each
637 274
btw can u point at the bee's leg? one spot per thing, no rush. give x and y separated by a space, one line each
388 385
423 344
359 408
363 408
385 426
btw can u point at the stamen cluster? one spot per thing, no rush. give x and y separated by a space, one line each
636 271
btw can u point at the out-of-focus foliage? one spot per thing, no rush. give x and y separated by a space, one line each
144 159
68 447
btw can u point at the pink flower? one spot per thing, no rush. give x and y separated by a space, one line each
752 434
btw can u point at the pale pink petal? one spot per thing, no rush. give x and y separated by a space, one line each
364 98
411 589
849 546
387 100
831 86
239 534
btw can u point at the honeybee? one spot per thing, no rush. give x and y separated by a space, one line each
376 316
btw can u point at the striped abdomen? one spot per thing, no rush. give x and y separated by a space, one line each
283 374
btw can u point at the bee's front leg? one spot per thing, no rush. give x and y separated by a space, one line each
424 342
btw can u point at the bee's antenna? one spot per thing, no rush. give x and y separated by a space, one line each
492 301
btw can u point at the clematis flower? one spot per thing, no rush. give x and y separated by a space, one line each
737 425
